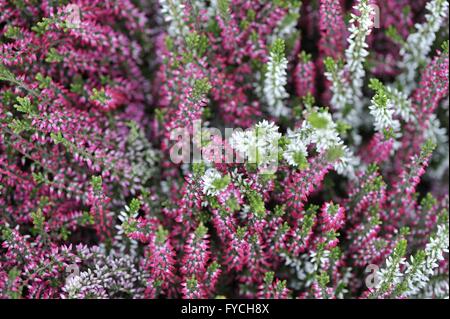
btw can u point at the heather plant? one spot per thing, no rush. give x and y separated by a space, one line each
224 148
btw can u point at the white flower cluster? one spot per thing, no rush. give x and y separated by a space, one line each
211 179
274 84
324 137
108 276
258 145
172 10
391 274
383 115
438 288
434 250
143 157
347 81
438 135
295 149
342 92
418 45
327 136
401 102
360 28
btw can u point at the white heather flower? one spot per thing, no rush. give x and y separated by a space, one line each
172 11
356 53
295 150
123 217
259 145
391 272
418 45
401 102
327 136
346 164
438 135
383 115
434 253
342 92
276 80
213 182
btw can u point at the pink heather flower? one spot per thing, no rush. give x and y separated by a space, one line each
301 184
192 289
196 253
160 263
332 29
272 289
378 150
305 76
332 217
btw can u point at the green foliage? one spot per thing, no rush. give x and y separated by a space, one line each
77 85
224 9
323 279
38 221
199 169
13 274
18 126
241 231
44 82
330 64
221 183
393 34
58 138
96 183
269 277
301 160
317 120
87 219
196 44
308 220
334 153
161 235
304 57
42 26
99 96
256 203
427 148
12 32
134 206
53 56
6 74
24 105
201 231
201 88
445 47
277 50
397 255
381 98
39 178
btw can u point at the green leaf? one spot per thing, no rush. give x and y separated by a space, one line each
44 82
12 32
201 88
24 105
53 56
99 96
18 126
317 120
96 182
224 9
277 50
135 205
